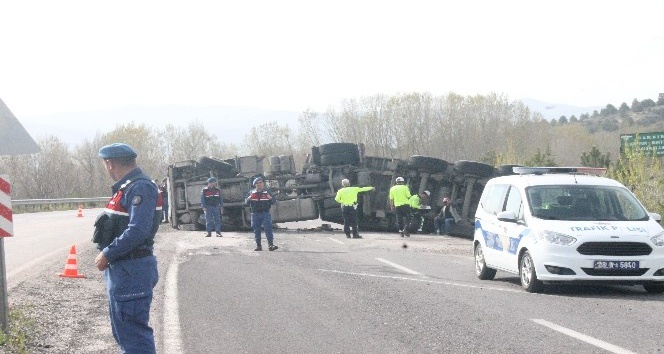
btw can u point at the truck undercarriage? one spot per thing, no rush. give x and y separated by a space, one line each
309 194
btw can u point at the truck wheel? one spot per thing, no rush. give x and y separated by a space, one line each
200 222
474 168
426 163
225 170
336 148
330 203
333 215
339 158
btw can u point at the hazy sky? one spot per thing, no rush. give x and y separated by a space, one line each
71 55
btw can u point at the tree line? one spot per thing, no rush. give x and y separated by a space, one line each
487 128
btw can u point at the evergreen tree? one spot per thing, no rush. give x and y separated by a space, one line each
647 103
636 106
623 108
594 158
610 109
542 159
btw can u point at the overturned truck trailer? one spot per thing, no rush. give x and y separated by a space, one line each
309 194
186 179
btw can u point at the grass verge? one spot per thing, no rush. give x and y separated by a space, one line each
18 334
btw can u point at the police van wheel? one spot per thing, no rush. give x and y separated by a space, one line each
654 288
528 274
481 270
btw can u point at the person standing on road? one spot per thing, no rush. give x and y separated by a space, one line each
260 201
447 217
347 197
212 204
163 187
399 196
419 203
124 233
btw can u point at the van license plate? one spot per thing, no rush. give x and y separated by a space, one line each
616 265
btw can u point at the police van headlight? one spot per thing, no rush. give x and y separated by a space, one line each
658 239
556 238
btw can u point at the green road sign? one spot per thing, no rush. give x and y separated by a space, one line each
649 143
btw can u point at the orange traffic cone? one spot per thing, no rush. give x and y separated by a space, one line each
80 212
71 267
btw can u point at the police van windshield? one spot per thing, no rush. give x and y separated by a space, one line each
574 202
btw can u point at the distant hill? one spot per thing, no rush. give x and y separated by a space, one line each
648 119
232 124
229 124
556 110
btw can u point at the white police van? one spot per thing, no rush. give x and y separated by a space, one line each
565 224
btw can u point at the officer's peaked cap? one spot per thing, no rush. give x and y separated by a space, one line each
212 180
256 180
399 179
117 151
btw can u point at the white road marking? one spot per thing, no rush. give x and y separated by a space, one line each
335 240
400 267
428 280
580 336
172 336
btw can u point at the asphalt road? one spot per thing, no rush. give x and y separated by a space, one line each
323 293
42 238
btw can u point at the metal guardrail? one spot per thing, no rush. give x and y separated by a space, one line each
27 205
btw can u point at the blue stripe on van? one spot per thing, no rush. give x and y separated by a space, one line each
491 240
514 242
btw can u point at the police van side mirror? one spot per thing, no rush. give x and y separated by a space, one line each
656 216
507 216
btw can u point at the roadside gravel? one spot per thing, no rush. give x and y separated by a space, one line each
70 315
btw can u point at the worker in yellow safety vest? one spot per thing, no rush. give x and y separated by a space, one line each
399 197
347 197
419 204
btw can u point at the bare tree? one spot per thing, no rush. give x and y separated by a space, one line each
269 139
12 167
50 173
179 144
146 143
90 169
310 128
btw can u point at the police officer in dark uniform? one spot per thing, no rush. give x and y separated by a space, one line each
163 187
212 204
260 201
125 233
